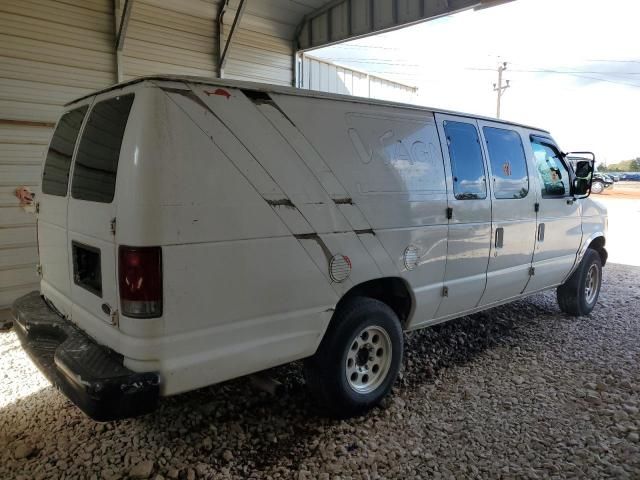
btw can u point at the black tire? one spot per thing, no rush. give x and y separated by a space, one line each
597 187
326 371
573 296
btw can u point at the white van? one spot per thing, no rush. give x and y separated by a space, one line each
192 230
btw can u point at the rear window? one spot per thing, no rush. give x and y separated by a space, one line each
94 174
55 177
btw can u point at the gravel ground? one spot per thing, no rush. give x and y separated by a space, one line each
519 391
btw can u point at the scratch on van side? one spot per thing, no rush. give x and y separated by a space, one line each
187 94
316 238
281 202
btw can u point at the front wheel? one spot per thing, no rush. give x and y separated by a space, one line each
579 294
358 359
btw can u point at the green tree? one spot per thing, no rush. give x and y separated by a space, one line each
635 165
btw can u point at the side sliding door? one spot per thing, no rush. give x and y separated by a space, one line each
513 216
469 204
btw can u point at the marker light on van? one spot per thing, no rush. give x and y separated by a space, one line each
140 278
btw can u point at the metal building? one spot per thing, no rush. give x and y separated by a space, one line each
54 50
319 74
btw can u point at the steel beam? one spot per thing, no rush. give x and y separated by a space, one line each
223 53
124 24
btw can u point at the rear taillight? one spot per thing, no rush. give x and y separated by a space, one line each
140 278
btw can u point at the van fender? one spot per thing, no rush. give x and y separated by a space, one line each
583 250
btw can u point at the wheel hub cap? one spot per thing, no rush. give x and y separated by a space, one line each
368 359
591 284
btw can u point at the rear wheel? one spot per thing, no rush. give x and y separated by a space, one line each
358 359
597 186
579 294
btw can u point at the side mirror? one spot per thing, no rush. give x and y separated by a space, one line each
581 187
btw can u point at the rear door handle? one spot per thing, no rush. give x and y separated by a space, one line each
541 232
499 237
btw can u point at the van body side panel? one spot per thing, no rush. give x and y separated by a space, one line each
240 291
181 188
243 116
389 162
240 306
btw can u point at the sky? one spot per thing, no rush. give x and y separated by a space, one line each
573 66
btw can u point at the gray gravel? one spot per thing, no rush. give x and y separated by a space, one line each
520 391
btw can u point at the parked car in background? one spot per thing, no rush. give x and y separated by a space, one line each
630 177
601 182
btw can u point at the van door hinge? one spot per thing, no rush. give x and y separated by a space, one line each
37 207
39 270
536 207
113 226
449 213
532 271
445 291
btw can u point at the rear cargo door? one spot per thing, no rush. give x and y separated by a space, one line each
53 203
92 211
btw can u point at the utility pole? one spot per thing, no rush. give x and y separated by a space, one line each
499 88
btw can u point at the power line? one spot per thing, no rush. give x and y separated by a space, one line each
558 72
614 61
394 63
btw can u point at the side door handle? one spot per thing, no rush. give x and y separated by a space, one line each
541 232
499 243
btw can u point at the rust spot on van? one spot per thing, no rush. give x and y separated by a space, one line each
343 201
283 202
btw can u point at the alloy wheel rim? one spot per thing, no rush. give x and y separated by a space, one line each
368 359
591 284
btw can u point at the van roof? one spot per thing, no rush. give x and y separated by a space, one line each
265 87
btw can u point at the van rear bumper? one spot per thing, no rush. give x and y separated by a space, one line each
91 375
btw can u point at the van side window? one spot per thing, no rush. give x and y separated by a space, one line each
467 165
553 173
55 177
94 175
508 163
